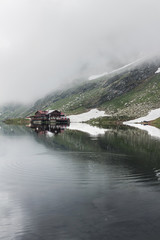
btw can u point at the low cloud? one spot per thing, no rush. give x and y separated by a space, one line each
45 44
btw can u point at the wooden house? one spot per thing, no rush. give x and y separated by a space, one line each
49 116
41 113
54 113
59 117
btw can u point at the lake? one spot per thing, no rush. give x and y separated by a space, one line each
75 186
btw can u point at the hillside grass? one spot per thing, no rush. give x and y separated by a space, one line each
78 103
146 94
136 102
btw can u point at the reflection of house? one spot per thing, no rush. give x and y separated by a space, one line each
49 116
45 128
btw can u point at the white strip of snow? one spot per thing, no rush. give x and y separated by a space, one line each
128 65
94 113
158 71
116 70
152 131
84 127
97 76
152 115
49 111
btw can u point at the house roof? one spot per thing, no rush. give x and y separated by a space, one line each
50 111
42 112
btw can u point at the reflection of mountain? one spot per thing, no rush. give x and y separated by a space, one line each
13 130
126 141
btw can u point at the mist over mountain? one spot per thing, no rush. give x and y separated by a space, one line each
44 45
131 91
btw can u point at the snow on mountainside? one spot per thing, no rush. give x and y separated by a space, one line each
116 70
152 115
97 76
158 71
94 113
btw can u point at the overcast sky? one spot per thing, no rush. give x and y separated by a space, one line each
46 43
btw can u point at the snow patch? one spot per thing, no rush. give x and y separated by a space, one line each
97 76
116 70
128 65
152 115
94 113
76 122
152 131
84 127
158 71
50 111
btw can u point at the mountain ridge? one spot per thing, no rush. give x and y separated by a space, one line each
131 91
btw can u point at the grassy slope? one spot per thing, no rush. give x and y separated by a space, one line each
116 94
135 103
139 101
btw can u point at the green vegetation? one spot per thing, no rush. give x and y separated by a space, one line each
17 121
107 122
69 104
86 96
138 101
155 123
133 103
13 111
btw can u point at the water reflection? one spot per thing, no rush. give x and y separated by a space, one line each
47 129
77 186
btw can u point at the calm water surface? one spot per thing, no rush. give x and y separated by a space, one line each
72 186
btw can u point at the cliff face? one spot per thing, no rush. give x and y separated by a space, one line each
132 91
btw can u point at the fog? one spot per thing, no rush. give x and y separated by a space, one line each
45 44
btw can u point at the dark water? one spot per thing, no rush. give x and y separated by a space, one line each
72 186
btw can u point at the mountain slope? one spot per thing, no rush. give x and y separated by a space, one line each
132 91
13 111
136 89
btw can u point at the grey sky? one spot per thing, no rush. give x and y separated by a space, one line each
46 43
